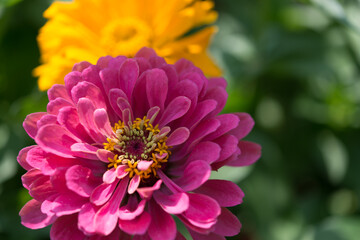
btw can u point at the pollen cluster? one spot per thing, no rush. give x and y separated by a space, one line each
135 142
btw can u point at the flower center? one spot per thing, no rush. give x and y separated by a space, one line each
140 146
124 36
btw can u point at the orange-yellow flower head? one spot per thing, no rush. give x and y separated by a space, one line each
84 30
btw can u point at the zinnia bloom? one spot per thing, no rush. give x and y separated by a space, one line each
84 30
128 144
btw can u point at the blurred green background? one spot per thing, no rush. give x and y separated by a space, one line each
293 65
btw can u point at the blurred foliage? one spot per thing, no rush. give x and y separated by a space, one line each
293 65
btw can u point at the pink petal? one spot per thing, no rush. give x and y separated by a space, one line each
144 165
220 95
141 237
156 87
102 122
104 155
37 158
177 137
129 72
79 67
132 209
171 74
71 80
245 125
109 176
162 225
56 139
106 218
68 203
66 228
41 188
139 98
114 95
195 174
55 105
229 146
84 150
146 192
86 111
228 122
47 119
29 177
152 113
134 184
32 217
139 225
102 193
174 204
228 224
217 82
209 236
207 151
30 125
109 77
202 130
177 108
199 214
226 193
145 52
68 117
120 171
250 153
200 112
21 158
86 218
90 91
80 180
58 91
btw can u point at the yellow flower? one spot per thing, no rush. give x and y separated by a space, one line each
84 30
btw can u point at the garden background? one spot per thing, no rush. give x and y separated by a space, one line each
293 65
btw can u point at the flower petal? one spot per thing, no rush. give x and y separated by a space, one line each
156 87
138 225
21 158
195 174
90 91
106 218
245 125
84 150
226 193
102 193
56 139
250 153
30 125
134 184
102 122
80 180
177 108
227 224
144 165
146 192
129 72
66 227
177 137
109 176
199 214
162 225
32 217
174 204
56 91
132 209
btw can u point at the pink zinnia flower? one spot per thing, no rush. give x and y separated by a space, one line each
129 143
